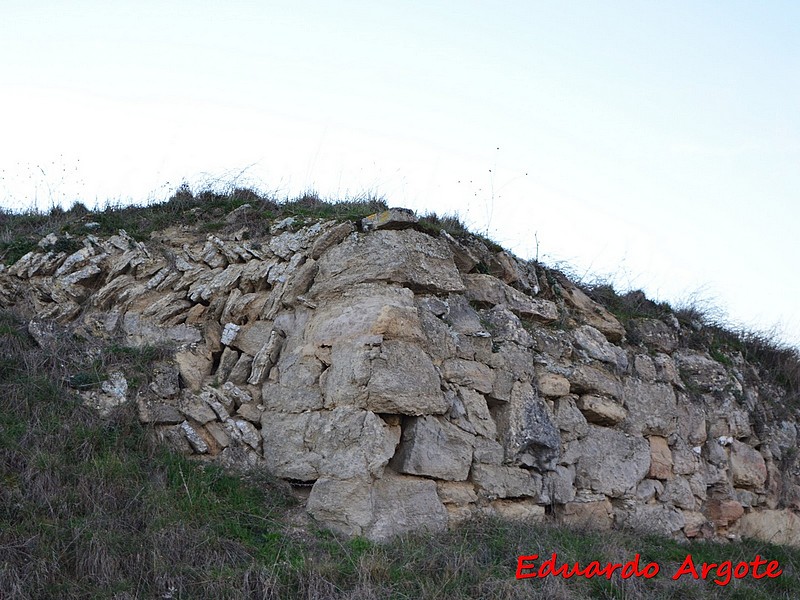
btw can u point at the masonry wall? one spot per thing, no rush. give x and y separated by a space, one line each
414 381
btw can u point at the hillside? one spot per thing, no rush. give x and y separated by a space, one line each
364 371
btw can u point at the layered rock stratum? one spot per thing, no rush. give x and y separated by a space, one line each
414 381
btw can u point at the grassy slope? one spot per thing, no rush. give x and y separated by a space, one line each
93 508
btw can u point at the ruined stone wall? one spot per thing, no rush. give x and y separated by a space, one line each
416 381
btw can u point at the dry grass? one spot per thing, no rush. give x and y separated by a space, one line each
206 210
704 329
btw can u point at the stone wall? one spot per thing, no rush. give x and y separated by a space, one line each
415 381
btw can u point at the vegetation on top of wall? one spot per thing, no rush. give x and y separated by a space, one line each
432 223
207 210
702 329
210 211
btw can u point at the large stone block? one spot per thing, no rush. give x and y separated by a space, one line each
468 373
597 514
378 510
586 379
505 482
595 345
611 462
407 257
433 447
569 420
404 381
345 442
747 466
656 334
526 429
772 526
652 408
660 458
489 290
591 312
652 518
700 372
600 410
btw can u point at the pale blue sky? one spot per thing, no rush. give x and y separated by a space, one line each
655 143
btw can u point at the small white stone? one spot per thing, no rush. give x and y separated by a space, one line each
229 333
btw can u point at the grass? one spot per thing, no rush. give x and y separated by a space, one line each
95 508
432 224
703 329
206 210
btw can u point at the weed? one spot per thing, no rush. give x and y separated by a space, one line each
432 224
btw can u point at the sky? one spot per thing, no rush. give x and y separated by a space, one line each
651 145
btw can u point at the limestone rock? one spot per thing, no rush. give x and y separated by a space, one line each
345 442
391 506
406 257
747 466
678 492
490 291
656 334
526 429
771 526
404 381
586 379
141 332
456 492
558 486
644 367
596 346
651 408
648 490
723 512
157 412
526 511
433 447
611 462
552 385
505 326
194 365
569 419
597 514
477 413
487 451
593 313
664 520
700 372
463 256
694 523
394 218
667 370
197 408
600 410
266 357
660 458
468 373
366 312
330 238
505 482
461 317
195 439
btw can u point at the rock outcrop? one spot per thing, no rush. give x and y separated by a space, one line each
414 381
